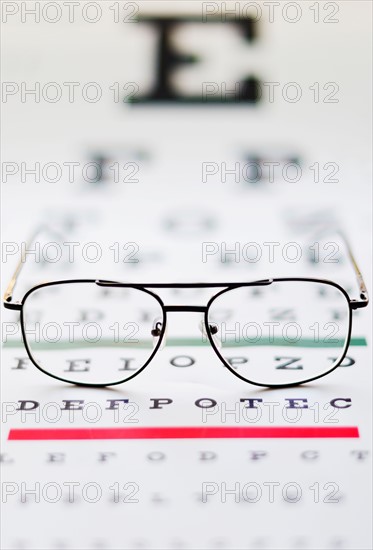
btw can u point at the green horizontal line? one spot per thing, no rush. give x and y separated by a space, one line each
79 344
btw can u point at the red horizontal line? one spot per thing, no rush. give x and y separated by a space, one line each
184 432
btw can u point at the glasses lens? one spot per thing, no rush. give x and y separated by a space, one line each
85 333
283 333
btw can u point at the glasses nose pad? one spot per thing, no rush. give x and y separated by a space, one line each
213 327
156 333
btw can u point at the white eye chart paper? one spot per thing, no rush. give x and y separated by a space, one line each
160 142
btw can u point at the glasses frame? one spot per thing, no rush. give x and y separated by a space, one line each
226 287
353 304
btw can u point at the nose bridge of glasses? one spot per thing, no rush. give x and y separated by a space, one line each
198 309
213 328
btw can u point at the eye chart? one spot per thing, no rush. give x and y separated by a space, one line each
160 142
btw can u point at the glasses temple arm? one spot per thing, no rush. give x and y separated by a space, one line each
13 281
8 295
363 292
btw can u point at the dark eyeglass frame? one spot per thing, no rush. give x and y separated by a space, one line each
353 304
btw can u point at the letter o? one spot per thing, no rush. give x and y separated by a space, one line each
245 255
97 169
291 339
182 361
58 255
285 494
96 407
85 249
45 89
98 89
85 329
45 169
87 487
298 255
298 10
254 338
258 9
296 97
247 170
45 495
247 497
98 9
46 328
205 403
285 170
285 415
45 9
45 410
156 456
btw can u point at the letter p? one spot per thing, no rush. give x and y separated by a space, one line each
7 89
8 489
8 8
209 249
210 488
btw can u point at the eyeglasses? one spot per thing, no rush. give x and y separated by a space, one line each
271 332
